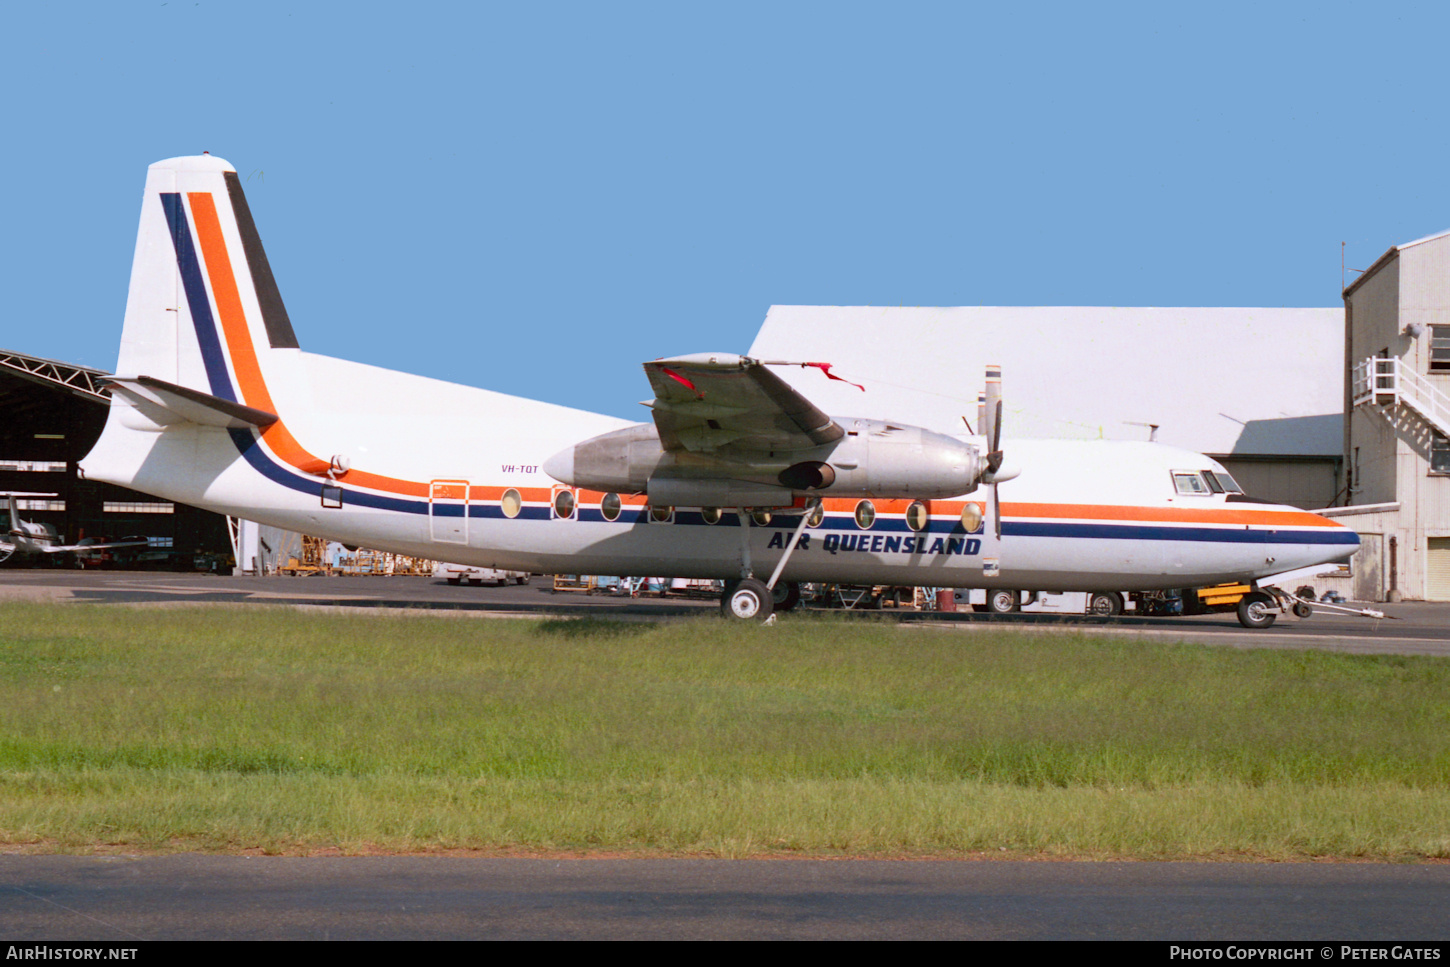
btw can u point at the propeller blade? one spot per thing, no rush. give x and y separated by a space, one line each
996 513
993 409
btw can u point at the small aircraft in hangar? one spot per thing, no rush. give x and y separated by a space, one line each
737 476
21 539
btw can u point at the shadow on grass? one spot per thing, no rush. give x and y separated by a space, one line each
594 628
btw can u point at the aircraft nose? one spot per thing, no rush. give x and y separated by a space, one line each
1341 541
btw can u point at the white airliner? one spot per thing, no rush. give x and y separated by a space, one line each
737 476
32 539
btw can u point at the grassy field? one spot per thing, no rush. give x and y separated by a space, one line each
250 729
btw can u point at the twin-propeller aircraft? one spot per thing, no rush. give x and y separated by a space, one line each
737 476
23 538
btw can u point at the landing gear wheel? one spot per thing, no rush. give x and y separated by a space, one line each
1105 603
786 596
747 600
455 581
1254 610
1302 609
1004 602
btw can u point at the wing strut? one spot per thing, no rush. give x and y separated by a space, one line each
790 548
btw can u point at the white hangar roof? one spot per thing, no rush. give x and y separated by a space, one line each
1228 381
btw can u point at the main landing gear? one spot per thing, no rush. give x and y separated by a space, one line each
749 599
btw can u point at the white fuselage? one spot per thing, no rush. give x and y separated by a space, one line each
426 481
215 405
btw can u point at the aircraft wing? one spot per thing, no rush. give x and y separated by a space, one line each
711 400
68 548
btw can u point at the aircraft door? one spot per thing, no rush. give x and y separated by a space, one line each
448 511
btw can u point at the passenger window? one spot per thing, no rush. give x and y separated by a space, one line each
661 515
511 503
610 506
917 516
564 504
865 514
761 517
711 515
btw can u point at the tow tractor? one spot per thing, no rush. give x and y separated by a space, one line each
1258 607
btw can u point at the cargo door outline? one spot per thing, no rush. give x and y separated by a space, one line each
448 511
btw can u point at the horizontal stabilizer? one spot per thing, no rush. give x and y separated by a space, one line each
166 403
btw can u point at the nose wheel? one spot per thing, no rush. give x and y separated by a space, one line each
1256 610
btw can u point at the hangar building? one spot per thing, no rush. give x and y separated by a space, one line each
1397 435
1261 390
51 413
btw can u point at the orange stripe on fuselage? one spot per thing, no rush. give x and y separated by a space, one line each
1222 514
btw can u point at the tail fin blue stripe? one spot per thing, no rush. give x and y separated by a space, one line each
196 298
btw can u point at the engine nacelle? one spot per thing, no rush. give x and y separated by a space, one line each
885 460
874 459
621 461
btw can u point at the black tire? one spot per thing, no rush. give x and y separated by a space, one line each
1105 603
748 600
523 581
1254 610
475 582
786 596
1302 609
1004 602
455 580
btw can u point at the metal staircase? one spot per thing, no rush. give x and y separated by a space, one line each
1389 382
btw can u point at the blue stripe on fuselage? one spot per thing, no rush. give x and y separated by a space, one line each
1213 535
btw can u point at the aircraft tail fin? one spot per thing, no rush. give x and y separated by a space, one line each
206 345
203 305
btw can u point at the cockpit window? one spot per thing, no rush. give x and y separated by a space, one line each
1190 482
1221 482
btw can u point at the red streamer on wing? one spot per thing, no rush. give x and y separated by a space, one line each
681 380
826 368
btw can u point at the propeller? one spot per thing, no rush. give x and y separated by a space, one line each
990 407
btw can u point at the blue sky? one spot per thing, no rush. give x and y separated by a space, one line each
537 197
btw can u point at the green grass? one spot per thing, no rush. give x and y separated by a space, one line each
231 729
